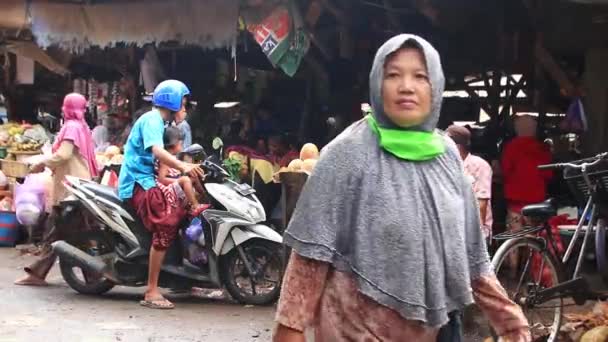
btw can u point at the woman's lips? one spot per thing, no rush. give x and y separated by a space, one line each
407 104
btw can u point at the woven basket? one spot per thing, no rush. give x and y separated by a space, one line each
14 169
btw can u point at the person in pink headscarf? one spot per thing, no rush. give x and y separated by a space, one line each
73 155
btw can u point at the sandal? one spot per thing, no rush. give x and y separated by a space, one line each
159 304
195 212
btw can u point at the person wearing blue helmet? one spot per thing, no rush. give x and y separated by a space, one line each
137 182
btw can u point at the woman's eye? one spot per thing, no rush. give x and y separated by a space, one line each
422 76
392 75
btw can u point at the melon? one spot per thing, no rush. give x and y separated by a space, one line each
596 334
117 159
309 151
102 160
111 151
308 165
295 165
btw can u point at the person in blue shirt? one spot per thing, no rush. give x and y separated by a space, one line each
137 182
184 127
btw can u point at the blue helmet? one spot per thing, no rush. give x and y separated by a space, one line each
169 94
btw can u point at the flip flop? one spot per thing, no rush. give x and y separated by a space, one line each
31 282
159 304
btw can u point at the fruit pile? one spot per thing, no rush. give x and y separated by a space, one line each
308 159
15 137
111 156
309 154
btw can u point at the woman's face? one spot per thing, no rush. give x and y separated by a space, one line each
406 89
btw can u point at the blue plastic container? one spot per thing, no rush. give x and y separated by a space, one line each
9 229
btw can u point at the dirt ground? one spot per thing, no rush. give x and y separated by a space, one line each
58 314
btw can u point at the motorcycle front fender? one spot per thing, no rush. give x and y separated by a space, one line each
257 231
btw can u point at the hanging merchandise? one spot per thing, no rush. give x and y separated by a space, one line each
92 95
576 120
114 97
282 39
103 90
80 86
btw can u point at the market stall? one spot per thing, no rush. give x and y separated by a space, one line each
22 196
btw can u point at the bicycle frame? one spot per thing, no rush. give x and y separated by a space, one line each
570 285
533 288
591 205
574 286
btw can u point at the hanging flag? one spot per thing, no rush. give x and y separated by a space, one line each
284 45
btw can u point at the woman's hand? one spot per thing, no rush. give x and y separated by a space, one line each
285 334
37 168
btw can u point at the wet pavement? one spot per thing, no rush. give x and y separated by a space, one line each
58 314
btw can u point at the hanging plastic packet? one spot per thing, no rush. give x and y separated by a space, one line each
195 237
195 231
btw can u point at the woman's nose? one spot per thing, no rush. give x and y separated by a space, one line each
406 85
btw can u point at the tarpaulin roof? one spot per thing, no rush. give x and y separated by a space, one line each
75 27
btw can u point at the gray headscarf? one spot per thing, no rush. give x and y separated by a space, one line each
433 64
407 232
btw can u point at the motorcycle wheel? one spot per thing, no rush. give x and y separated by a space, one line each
262 288
81 281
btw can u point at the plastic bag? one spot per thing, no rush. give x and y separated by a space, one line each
30 199
3 180
37 133
195 237
6 204
195 231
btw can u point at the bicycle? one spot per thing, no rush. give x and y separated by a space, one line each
549 278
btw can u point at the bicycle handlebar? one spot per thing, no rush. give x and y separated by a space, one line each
595 159
550 166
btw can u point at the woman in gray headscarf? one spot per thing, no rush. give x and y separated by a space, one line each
386 239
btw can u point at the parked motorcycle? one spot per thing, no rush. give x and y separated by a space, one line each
234 250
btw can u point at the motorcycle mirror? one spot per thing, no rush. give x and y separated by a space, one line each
217 143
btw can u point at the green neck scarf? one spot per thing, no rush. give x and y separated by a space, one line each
408 145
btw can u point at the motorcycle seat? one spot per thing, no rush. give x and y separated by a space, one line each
103 191
545 209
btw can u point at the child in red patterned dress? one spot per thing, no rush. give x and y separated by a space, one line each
179 189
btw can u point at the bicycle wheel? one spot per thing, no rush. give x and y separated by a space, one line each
524 267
